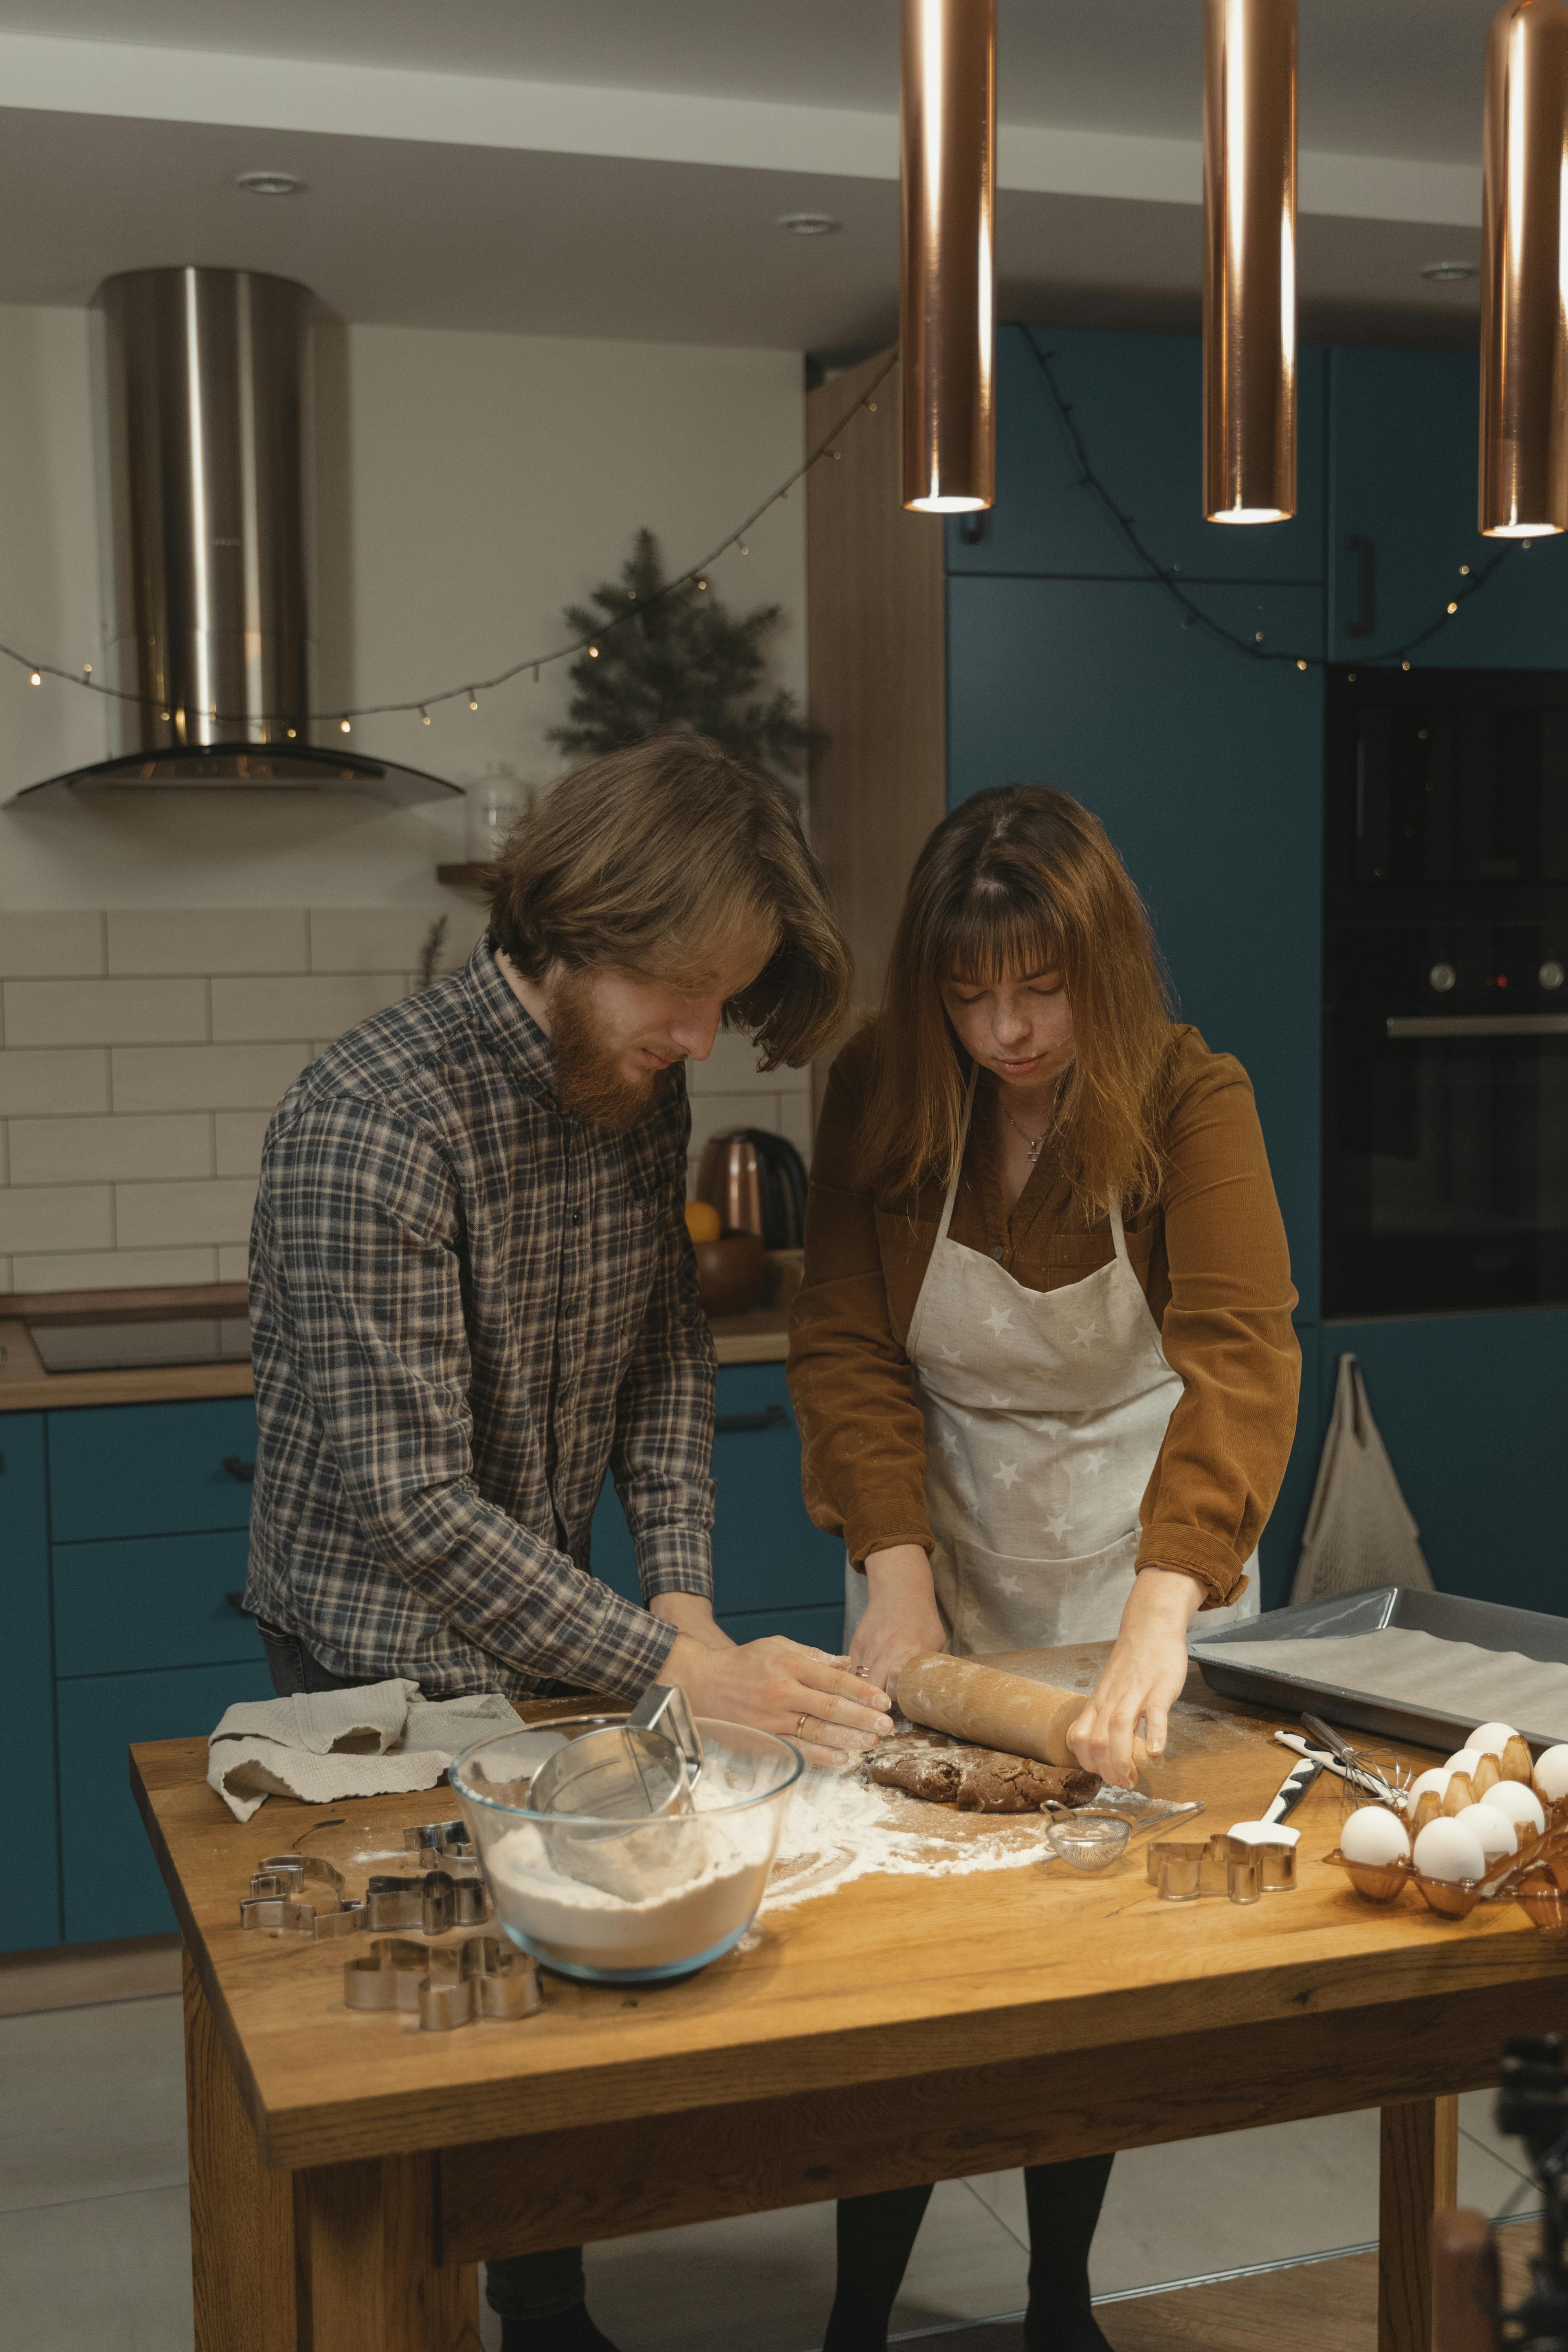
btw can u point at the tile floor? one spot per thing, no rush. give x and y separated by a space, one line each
94 2245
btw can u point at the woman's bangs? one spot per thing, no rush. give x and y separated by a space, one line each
994 936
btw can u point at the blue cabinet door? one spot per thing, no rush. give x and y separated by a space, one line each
30 1908
1137 401
151 1469
1205 767
1279 1550
153 1601
1402 439
1471 1409
767 1555
113 1885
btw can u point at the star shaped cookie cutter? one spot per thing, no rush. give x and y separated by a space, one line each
457 1984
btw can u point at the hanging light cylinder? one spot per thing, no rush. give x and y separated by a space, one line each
1250 260
947 329
1523 491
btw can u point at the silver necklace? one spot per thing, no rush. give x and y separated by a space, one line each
1036 1143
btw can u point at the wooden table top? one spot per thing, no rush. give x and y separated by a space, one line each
882 1978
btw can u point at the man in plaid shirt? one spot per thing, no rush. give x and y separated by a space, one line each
473 1292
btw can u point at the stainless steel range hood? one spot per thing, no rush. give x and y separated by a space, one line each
203 400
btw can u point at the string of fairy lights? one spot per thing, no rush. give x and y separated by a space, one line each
1472 580
694 576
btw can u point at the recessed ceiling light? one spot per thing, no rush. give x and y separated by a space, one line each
272 184
810 224
1448 273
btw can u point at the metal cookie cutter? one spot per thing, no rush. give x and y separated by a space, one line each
1181 1870
432 1904
300 1894
596 1796
442 1841
480 1978
1270 1847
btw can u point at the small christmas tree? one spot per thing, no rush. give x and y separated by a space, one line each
678 666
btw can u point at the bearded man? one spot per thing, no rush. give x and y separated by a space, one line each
472 1293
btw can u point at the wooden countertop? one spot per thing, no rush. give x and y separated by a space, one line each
760 1338
885 1980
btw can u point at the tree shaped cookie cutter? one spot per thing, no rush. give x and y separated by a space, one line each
455 1984
302 1895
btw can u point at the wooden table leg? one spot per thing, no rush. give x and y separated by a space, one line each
242 2216
1419 2179
369 2279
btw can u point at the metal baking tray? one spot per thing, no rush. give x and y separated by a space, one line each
1452 1619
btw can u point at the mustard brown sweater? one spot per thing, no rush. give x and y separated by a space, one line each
1211 1256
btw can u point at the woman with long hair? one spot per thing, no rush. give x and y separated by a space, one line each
1042 1360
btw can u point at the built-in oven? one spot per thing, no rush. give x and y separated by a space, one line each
1446 979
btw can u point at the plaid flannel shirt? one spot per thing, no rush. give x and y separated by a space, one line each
465 1304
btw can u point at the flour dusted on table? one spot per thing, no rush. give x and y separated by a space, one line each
840 1828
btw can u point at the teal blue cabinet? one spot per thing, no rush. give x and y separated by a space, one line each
1403 440
153 1601
773 1572
112 1884
1137 400
30 1908
151 1469
1205 769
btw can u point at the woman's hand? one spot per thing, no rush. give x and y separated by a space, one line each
832 1716
902 1615
1143 1675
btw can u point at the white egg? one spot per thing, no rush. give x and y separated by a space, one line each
1446 1849
1491 1739
1551 1774
1496 1832
1516 1803
1374 1835
1465 1759
1436 1779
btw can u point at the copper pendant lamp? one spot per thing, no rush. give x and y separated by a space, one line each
1524 252
1250 260
947 329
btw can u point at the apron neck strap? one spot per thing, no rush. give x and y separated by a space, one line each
1118 1236
958 1164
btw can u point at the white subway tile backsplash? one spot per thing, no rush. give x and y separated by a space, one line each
105 1012
163 1216
85 1151
50 945
389 939
57 1217
200 1078
795 1120
239 1140
41 1082
732 1069
318 1007
112 1269
234 1262
228 939
4 1275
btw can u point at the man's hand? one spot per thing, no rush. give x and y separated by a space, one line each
781 1686
1142 1676
690 1612
901 1616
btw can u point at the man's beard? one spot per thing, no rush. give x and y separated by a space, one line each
589 1081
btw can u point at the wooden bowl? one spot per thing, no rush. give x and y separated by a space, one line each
732 1273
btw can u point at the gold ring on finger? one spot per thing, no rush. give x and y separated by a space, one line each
800 1724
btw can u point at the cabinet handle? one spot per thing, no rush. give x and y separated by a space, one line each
236 1600
735 1424
1365 587
244 1471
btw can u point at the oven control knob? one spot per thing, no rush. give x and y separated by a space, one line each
1442 977
1551 974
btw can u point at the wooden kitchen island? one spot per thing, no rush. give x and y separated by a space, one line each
348 2172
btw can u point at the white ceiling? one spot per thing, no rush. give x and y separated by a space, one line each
616 167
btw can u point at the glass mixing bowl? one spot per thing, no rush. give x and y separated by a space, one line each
616 1899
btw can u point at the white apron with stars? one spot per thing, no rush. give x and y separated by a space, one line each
1044 1412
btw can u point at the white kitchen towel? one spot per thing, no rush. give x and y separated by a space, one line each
1359 1530
322 1744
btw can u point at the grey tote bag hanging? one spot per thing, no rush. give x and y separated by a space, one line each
1359 1530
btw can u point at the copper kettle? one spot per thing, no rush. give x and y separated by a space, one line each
757 1183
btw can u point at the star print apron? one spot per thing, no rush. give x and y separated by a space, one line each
1044 1412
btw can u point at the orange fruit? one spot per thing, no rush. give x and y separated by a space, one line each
702 1221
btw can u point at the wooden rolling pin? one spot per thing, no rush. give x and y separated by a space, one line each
977 1702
